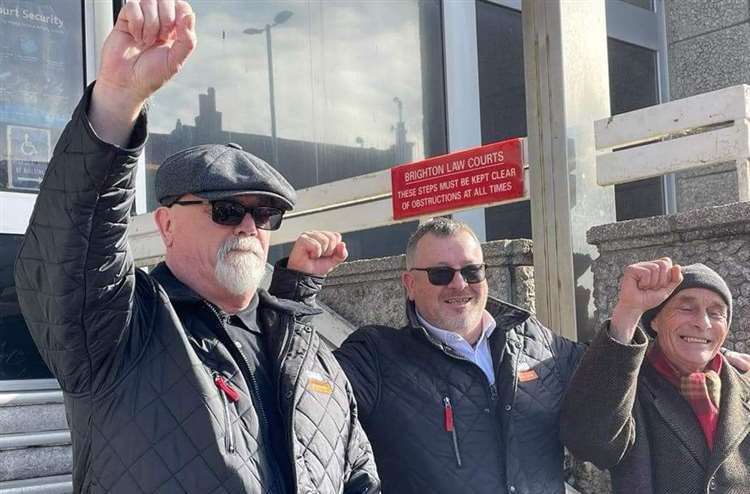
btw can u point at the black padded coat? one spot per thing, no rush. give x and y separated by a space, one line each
138 356
507 436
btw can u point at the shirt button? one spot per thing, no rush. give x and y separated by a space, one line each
512 488
487 410
712 484
508 409
289 395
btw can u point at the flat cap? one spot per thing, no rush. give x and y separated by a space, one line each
218 171
693 276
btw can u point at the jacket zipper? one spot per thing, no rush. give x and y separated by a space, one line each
282 356
450 427
256 398
227 394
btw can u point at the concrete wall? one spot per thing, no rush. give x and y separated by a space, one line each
370 292
718 237
708 42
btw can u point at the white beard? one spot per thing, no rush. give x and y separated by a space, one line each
240 265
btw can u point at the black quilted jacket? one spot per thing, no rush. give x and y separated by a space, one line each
507 436
137 356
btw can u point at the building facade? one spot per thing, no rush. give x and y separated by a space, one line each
326 91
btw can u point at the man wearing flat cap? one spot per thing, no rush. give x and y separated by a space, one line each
190 378
669 416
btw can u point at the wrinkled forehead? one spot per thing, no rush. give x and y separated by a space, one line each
698 296
458 249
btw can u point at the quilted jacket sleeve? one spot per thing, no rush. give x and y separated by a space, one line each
597 422
74 272
358 357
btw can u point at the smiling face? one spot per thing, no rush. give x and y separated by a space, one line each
691 328
458 306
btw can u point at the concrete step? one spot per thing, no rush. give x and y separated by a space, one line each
57 484
35 462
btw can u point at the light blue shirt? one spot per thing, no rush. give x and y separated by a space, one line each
479 355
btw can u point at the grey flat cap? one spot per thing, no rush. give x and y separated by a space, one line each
694 276
218 171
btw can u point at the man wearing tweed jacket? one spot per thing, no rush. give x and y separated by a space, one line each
670 417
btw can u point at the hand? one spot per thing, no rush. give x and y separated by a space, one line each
317 253
644 285
740 361
148 45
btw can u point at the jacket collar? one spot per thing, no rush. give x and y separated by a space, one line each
734 414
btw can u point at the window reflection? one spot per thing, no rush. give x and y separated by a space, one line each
19 358
41 78
347 81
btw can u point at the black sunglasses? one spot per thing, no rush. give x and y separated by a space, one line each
443 275
231 213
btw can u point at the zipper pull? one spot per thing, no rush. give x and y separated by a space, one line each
448 414
450 427
228 390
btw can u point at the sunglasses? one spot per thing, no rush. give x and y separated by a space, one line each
443 275
231 213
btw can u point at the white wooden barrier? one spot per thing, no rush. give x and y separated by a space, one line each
347 205
688 133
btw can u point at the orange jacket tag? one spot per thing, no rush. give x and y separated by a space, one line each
318 383
527 375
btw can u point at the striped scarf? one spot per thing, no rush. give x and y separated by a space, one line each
701 389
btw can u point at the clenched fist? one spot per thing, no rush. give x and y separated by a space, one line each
644 285
317 252
149 44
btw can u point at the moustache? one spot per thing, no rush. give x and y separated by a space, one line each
243 244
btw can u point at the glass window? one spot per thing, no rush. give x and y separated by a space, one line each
41 78
644 4
633 85
502 96
322 90
19 358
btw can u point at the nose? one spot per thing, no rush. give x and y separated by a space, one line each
458 281
703 320
246 226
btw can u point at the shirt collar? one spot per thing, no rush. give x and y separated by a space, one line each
453 339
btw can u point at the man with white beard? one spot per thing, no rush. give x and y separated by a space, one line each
189 378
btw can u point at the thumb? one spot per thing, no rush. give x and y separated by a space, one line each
675 276
340 253
185 38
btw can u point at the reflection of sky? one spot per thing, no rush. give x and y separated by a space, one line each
337 67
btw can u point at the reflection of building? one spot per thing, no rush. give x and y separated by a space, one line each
329 161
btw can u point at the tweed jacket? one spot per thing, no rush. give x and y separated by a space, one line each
156 392
621 414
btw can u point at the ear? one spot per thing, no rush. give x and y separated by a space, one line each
407 279
165 224
655 323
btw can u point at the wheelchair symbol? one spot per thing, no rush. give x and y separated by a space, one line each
27 147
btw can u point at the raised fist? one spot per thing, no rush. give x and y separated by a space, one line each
317 252
644 285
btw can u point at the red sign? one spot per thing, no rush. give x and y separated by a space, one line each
474 177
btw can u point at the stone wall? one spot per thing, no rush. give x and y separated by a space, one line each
718 237
708 44
370 291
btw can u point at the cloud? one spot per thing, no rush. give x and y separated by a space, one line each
337 67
